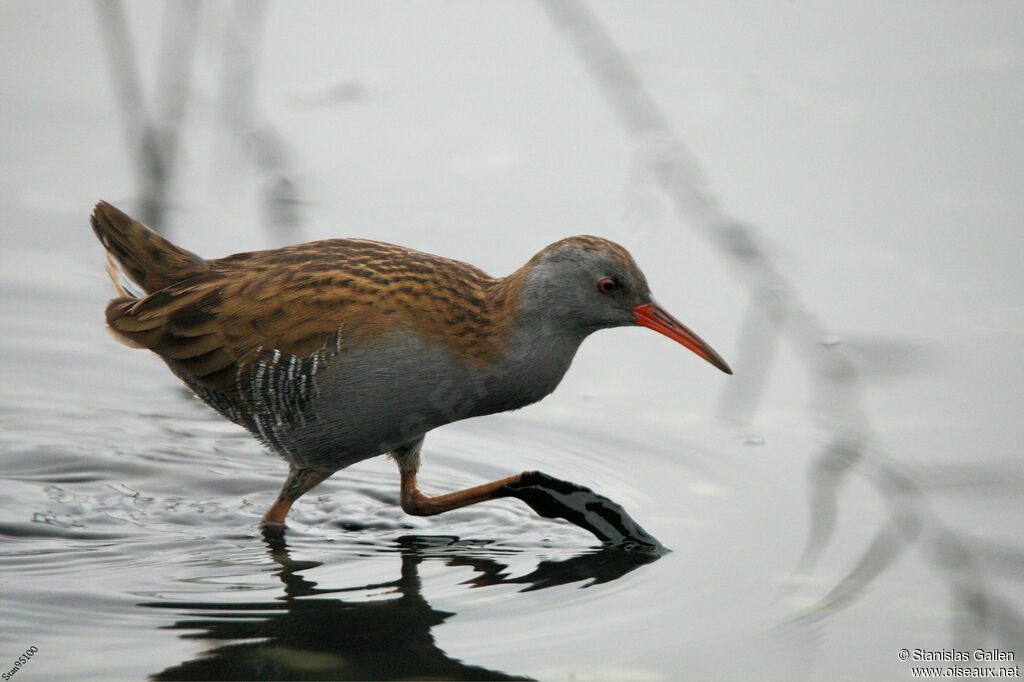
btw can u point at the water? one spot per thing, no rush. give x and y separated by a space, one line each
854 490
129 528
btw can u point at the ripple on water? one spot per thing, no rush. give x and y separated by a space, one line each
155 514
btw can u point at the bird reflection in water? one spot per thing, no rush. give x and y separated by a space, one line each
312 633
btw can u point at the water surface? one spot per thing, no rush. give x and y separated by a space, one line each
854 490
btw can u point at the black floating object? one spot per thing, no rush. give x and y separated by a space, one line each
554 498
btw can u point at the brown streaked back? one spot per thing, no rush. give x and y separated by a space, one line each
209 326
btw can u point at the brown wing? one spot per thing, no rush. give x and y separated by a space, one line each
294 300
208 329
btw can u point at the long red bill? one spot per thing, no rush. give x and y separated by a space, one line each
653 316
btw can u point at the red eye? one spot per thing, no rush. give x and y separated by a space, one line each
607 285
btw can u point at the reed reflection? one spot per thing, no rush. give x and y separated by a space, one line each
979 607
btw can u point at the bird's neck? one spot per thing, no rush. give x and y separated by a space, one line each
537 346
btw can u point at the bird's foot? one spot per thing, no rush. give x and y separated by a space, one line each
272 529
539 478
554 498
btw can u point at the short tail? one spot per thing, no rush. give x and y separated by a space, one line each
139 260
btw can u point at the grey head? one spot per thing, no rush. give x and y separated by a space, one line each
581 284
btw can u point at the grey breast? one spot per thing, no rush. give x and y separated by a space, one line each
374 399
347 402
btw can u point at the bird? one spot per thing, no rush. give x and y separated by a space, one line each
332 352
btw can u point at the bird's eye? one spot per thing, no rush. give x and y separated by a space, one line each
607 285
